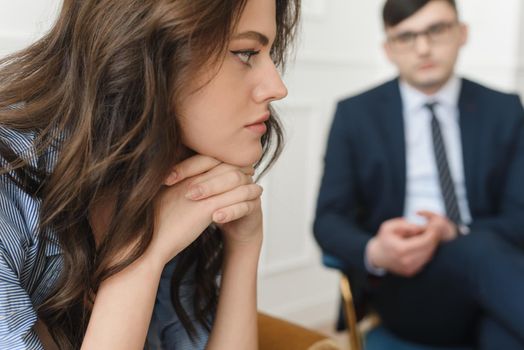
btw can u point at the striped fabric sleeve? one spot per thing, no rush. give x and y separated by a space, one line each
17 315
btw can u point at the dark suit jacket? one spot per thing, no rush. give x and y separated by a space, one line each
364 177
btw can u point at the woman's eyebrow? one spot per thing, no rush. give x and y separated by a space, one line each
252 35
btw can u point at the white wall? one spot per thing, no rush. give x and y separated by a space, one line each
339 54
23 21
492 52
520 53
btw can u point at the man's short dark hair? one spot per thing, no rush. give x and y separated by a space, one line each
395 11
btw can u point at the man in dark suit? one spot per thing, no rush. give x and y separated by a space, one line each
422 196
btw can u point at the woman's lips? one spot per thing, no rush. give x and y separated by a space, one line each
257 128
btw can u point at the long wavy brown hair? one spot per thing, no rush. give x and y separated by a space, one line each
100 88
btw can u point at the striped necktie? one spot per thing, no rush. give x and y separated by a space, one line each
447 186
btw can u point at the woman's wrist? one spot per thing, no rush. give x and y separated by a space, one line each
243 256
241 241
153 261
250 247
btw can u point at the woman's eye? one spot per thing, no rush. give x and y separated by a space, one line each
245 55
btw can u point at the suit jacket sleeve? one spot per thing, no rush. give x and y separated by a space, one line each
335 226
509 221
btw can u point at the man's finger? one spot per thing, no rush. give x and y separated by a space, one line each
426 240
407 229
426 213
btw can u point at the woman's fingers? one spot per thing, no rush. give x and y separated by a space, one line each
201 168
217 184
219 170
235 211
190 167
229 204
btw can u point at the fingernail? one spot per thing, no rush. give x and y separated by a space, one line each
171 179
194 193
219 217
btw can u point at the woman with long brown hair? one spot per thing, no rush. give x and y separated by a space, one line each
129 135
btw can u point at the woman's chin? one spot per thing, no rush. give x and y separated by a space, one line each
244 159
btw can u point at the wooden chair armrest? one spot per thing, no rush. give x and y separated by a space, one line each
278 334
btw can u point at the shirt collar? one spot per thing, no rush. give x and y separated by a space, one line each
447 96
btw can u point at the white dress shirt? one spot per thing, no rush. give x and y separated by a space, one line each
422 182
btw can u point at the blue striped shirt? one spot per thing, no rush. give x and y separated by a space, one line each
30 266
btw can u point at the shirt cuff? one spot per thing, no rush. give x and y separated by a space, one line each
375 271
463 229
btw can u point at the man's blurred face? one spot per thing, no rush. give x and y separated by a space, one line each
425 46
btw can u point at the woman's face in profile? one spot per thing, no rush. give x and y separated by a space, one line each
225 119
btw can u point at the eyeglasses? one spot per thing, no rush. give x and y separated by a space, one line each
437 33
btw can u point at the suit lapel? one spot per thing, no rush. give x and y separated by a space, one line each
392 130
391 124
470 127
